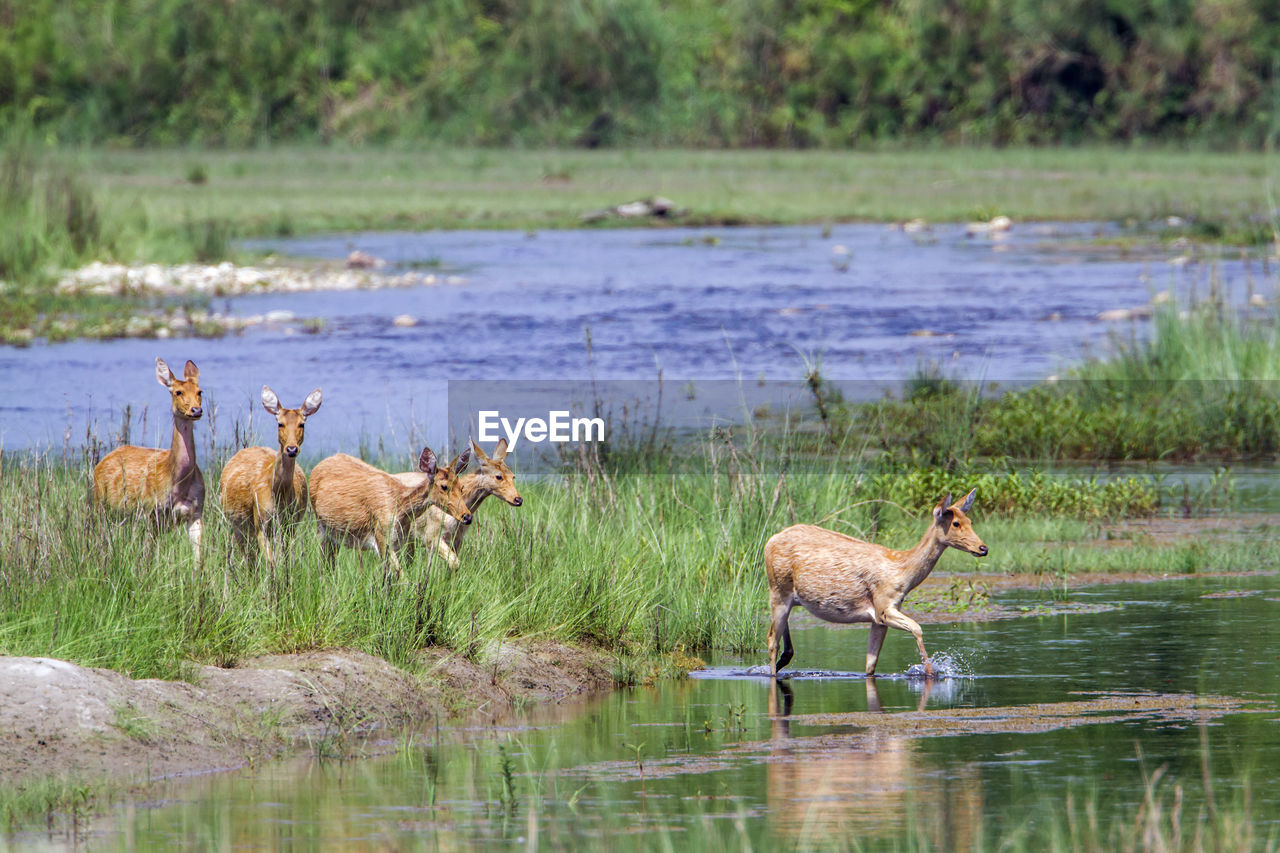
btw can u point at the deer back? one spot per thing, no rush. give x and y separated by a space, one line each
351 495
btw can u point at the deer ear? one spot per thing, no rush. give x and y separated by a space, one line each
427 462
163 374
270 401
191 371
460 464
312 404
500 450
968 501
942 506
480 456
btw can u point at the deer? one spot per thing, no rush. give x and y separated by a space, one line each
437 529
165 483
842 579
363 507
263 488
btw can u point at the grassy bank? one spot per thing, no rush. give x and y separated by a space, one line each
297 190
65 207
1202 386
638 564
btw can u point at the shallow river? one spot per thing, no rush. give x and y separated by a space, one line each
1038 710
698 304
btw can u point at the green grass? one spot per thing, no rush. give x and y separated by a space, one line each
1201 386
180 205
298 190
640 564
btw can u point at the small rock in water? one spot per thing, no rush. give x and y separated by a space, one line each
404 321
359 260
760 669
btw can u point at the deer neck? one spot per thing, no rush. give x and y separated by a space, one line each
417 498
472 492
282 473
920 560
182 452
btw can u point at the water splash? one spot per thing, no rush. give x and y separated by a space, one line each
945 665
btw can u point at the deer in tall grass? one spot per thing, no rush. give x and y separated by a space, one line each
264 489
841 579
363 507
436 529
167 484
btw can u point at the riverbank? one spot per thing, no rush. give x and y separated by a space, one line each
95 235
284 190
78 738
61 720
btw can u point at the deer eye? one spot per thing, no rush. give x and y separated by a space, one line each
499 476
955 524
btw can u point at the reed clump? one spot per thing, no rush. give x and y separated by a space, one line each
1202 385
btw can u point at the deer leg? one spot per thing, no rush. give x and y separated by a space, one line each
874 642
194 532
264 543
779 633
873 696
895 618
445 551
328 551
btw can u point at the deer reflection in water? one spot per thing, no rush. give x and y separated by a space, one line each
868 783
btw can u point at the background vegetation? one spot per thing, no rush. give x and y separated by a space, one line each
1201 386
660 72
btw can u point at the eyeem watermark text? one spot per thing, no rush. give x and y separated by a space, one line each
557 427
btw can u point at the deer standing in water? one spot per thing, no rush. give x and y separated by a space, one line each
841 579
263 488
363 507
166 483
437 529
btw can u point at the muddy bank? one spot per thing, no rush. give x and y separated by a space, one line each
60 720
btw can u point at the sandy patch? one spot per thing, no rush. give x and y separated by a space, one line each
60 719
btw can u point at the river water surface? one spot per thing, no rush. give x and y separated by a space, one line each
1162 683
701 304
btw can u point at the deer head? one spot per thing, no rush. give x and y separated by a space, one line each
954 527
494 476
442 483
290 423
185 391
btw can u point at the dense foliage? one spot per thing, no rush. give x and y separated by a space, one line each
679 72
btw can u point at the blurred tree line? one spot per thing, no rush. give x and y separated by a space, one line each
666 72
